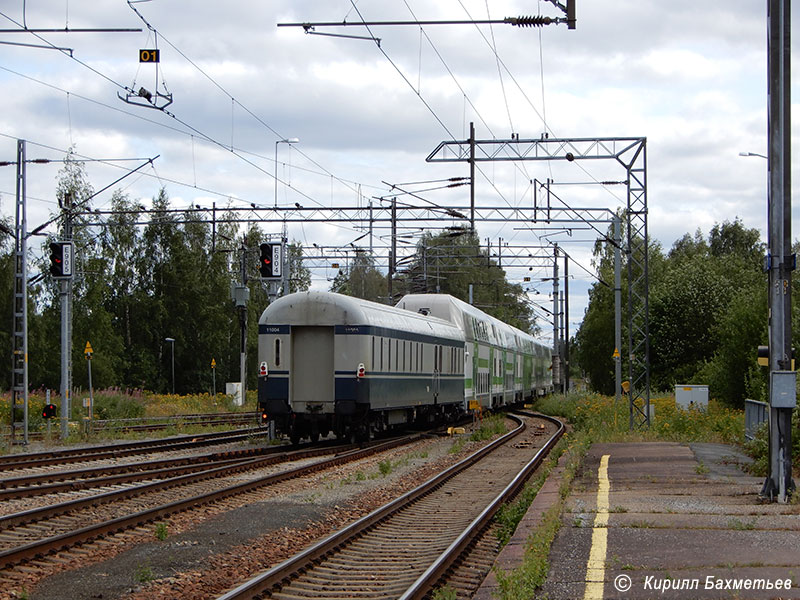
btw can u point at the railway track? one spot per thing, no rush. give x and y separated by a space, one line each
116 451
144 424
413 544
32 534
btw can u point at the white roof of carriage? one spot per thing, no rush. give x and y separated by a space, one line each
316 308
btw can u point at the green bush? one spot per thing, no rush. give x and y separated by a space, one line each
117 406
494 425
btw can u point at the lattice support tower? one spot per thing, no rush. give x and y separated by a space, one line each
631 154
19 357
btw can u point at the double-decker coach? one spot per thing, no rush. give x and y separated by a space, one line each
504 365
329 362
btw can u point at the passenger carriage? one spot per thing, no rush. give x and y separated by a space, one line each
329 362
503 365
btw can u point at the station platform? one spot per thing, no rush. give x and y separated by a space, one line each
664 520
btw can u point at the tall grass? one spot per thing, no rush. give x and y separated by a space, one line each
117 404
606 420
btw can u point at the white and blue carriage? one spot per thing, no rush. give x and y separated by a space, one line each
329 362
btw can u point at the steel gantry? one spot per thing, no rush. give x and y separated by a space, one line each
389 224
631 154
390 231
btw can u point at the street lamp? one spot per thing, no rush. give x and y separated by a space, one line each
293 140
752 154
172 341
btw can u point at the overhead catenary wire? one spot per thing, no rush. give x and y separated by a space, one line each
209 139
201 134
428 105
541 115
69 54
238 153
230 95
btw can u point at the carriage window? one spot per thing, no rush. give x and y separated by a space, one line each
277 353
396 355
389 356
373 351
381 354
404 355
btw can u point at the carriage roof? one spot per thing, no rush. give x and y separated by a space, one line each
316 308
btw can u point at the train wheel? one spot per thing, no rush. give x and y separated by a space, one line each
347 436
362 434
294 437
314 437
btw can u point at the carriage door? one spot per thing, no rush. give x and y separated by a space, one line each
437 368
312 356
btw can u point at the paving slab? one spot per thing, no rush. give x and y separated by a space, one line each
683 522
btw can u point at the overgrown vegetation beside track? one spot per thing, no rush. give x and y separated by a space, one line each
522 582
605 420
116 406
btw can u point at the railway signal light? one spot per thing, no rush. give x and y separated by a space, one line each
270 263
49 411
61 259
264 418
265 264
763 357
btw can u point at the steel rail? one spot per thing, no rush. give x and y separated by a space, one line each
287 570
60 542
425 583
117 479
20 461
150 465
208 472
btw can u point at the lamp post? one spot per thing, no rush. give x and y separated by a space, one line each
172 341
284 258
752 154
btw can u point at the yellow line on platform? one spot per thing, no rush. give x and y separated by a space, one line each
596 565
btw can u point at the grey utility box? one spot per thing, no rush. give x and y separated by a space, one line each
784 391
691 396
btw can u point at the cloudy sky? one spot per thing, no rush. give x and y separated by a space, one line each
688 76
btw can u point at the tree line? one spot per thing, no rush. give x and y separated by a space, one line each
708 315
144 276
447 262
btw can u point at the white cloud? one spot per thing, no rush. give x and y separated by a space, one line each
691 77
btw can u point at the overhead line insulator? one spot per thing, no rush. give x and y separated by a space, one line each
530 21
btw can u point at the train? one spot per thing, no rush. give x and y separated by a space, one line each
335 363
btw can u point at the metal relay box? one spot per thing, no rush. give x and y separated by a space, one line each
691 396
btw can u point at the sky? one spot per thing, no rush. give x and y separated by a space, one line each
689 77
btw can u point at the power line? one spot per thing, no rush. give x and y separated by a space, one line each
234 100
521 21
68 53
